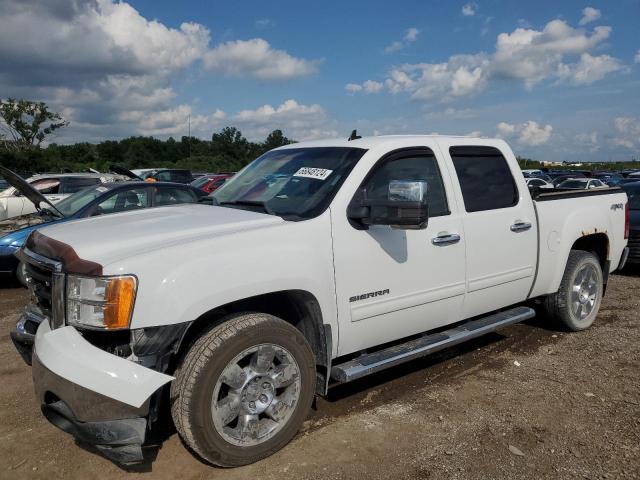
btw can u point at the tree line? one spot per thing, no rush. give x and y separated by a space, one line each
25 125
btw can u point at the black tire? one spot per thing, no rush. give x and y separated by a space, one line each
559 305
21 274
202 366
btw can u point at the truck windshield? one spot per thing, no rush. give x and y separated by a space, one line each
294 183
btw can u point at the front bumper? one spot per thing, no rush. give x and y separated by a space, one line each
24 335
99 398
117 430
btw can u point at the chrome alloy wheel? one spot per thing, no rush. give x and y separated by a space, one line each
584 292
256 395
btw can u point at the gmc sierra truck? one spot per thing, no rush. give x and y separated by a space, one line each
319 263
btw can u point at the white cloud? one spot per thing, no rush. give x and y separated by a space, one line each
557 52
264 23
469 9
302 122
529 133
590 69
532 56
410 36
369 86
587 141
257 58
589 14
505 129
110 69
636 59
627 132
462 75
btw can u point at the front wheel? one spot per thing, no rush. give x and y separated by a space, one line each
243 389
576 303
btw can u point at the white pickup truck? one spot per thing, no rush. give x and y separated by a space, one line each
319 263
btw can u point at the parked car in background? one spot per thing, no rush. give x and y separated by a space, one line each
143 173
558 179
54 187
633 193
102 199
612 179
628 180
211 182
171 175
538 182
531 172
581 184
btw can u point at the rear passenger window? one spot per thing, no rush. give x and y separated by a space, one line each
485 178
172 196
412 167
73 185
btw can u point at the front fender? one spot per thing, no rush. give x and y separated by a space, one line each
180 283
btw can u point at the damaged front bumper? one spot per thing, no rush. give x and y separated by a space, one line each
99 398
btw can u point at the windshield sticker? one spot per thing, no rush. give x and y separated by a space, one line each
310 172
102 189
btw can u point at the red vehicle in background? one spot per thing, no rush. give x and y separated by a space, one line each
211 182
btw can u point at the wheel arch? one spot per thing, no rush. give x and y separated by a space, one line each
299 308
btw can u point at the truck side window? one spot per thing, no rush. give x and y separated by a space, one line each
75 184
413 167
485 178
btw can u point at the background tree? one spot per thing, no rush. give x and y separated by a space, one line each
275 139
25 124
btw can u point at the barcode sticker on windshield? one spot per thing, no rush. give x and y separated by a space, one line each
310 172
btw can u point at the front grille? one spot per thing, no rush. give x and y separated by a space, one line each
47 283
634 247
40 282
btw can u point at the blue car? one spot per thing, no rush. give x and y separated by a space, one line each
102 199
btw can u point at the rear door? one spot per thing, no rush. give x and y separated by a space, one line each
499 224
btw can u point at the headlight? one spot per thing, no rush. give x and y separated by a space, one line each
100 302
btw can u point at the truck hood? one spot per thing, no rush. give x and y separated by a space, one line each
110 238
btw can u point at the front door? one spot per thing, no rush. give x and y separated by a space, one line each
392 283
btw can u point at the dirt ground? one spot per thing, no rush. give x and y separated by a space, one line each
530 403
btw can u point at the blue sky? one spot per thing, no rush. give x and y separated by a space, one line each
559 80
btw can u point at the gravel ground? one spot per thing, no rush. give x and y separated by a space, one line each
529 403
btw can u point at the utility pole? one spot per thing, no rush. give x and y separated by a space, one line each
189 120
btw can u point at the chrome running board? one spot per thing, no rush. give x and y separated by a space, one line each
424 345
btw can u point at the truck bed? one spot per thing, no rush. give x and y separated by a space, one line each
564 215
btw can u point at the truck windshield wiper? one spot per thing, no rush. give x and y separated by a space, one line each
250 203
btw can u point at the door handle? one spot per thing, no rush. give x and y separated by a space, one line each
445 239
520 226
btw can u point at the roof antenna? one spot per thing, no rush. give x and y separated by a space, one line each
354 135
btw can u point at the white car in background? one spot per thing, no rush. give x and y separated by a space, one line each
582 184
54 187
538 182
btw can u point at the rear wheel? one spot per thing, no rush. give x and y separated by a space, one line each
576 303
243 389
